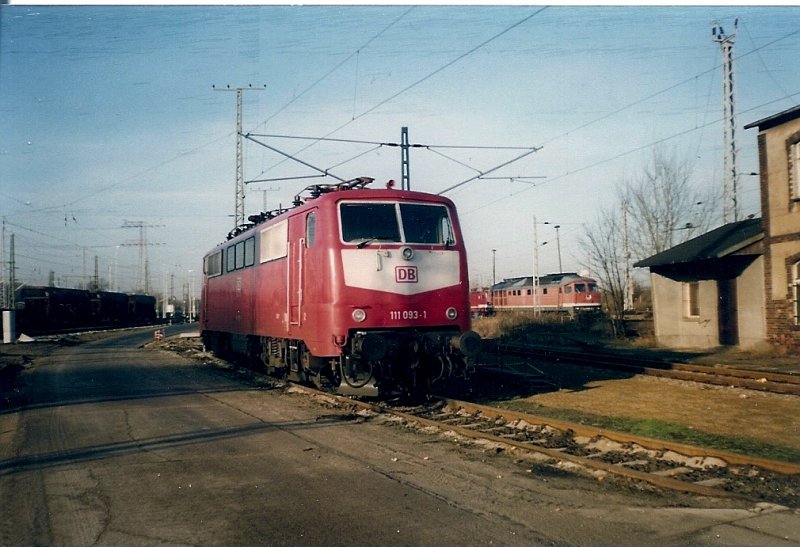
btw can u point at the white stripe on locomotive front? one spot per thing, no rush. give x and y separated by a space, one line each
374 269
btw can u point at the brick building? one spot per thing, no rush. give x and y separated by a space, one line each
740 283
779 168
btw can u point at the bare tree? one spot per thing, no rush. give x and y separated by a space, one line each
654 210
664 204
605 257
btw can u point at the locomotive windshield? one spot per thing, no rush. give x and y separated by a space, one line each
363 223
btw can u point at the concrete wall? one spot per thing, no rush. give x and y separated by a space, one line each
750 297
674 329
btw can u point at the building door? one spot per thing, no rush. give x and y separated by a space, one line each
728 312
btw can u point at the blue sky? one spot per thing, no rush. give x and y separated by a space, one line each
108 115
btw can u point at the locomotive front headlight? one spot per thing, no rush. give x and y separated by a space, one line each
451 313
407 253
359 315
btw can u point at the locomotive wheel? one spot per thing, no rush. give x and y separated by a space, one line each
354 378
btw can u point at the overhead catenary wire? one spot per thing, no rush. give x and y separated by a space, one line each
339 65
623 154
431 74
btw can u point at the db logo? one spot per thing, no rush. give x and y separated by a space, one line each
405 274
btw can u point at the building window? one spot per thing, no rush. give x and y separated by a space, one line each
794 171
691 299
796 293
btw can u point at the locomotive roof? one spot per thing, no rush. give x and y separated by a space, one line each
355 188
549 279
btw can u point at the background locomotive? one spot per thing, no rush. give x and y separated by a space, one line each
50 310
356 286
562 292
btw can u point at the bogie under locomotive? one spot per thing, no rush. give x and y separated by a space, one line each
353 287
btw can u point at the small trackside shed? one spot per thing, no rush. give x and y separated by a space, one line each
709 291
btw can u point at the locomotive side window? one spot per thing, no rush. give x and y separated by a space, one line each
364 222
274 241
249 251
311 229
568 290
230 258
580 287
213 264
240 255
428 224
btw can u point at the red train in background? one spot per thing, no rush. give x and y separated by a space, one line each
356 286
563 292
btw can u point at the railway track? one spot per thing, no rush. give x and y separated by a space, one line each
566 445
722 376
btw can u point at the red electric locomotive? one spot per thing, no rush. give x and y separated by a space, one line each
355 286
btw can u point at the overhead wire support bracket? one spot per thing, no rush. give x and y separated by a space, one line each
278 179
289 156
493 169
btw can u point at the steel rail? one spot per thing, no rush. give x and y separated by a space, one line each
558 455
784 468
784 384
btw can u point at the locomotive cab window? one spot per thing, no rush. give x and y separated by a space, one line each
363 223
580 287
429 224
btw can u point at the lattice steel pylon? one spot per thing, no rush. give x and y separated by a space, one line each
730 206
238 198
143 270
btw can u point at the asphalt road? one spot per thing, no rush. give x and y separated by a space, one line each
112 444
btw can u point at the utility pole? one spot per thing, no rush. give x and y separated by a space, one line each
264 194
405 165
627 302
12 274
558 244
494 267
143 275
3 280
535 268
238 200
8 322
96 278
730 211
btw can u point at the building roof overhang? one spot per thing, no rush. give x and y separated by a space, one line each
775 119
727 240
